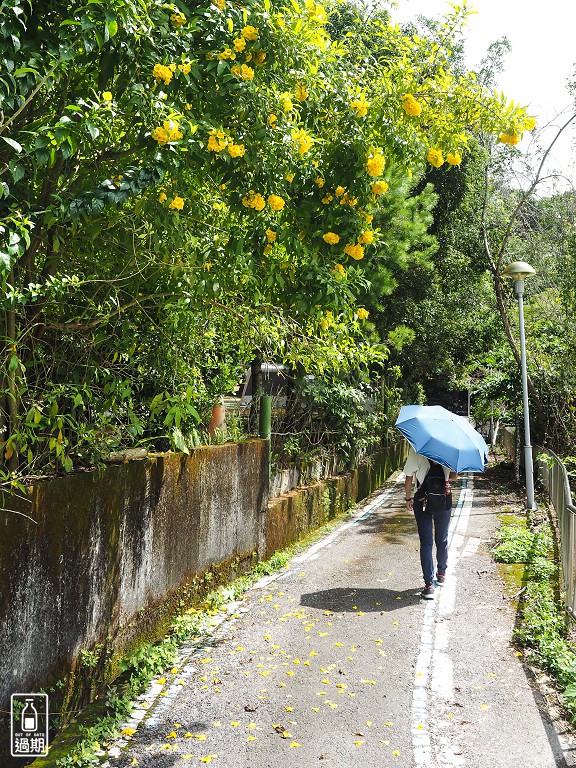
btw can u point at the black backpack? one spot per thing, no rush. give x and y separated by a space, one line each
432 492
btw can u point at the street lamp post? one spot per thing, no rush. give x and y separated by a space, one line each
519 271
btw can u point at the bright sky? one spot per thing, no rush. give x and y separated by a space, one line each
541 61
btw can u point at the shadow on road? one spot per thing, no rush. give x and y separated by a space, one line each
355 599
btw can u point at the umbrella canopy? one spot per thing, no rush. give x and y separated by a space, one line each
444 437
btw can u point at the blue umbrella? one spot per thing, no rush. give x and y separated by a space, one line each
444 437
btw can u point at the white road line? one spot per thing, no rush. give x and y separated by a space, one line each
434 679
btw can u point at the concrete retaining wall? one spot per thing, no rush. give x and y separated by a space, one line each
114 552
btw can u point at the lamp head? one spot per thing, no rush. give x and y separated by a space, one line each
518 270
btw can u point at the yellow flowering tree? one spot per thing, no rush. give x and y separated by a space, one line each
151 149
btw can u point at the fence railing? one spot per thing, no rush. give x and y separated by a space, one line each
552 474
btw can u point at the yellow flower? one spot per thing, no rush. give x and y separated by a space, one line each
227 53
366 237
435 157
302 139
178 20
286 102
510 137
276 202
380 187
259 58
339 191
236 150
106 96
272 120
271 235
250 33
327 199
185 68
267 250
216 142
173 130
359 106
221 4
161 135
246 72
362 313
161 72
339 269
355 251
239 44
319 181
454 158
177 204
331 237
529 123
162 197
289 177
410 105
375 164
301 92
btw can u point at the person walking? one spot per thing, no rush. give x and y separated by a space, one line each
431 503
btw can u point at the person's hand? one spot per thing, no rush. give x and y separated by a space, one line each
410 505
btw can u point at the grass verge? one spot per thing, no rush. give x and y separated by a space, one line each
542 631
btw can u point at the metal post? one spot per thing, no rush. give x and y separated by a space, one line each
265 417
528 465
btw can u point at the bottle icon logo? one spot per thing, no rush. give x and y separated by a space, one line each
29 728
29 717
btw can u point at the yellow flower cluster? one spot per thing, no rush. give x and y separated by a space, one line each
366 237
243 71
375 164
327 199
302 139
162 197
254 200
510 137
355 251
360 106
319 181
276 202
185 68
331 238
339 191
239 44
271 235
339 269
362 313
435 157
169 131
286 102
273 120
453 158
380 187
177 204
250 33
217 141
410 105
347 199
301 92
162 72
178 20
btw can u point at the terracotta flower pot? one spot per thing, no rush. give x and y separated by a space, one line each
218 419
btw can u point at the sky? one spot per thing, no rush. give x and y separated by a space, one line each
541 61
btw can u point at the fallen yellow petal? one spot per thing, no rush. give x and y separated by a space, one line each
295 744
171 735
359 743
128 732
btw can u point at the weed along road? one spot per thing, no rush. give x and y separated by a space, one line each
337 661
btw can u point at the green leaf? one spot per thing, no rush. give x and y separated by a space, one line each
12 143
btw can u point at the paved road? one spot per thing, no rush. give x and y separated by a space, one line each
336 661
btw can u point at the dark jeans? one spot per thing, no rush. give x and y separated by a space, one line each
432 528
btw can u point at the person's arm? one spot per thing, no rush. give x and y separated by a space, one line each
408 494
